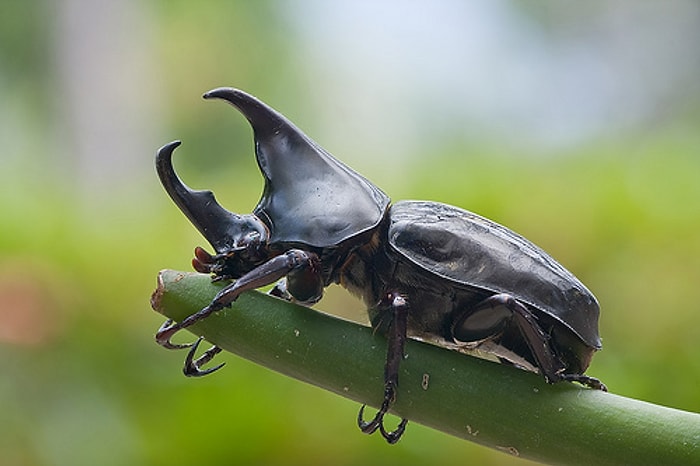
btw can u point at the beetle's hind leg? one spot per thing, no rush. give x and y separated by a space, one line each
490 317
539 342
586 380
396 339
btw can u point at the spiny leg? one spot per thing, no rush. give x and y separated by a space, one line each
267 273
396 339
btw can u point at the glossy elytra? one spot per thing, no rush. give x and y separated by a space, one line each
422 268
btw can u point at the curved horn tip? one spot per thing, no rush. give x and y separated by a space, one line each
226 93
171 146
167 150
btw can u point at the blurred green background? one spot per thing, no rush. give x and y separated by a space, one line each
574 124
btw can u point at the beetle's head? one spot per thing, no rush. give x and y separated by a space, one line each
232 235
310 198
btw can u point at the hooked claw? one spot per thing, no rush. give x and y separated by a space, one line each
394 436
170 327
586 380
193 366
165 333
378 423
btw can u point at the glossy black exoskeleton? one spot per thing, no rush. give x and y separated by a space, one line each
422 268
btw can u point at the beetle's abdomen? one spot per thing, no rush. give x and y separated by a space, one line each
473 252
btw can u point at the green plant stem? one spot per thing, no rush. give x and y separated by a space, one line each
498 406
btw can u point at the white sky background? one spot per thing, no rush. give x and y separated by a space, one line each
391 77
423 69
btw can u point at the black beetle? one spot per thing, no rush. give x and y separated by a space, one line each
423 269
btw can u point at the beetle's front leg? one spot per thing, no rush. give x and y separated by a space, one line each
294 261
396 338
193 367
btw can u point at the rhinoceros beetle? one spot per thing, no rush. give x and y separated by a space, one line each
422 268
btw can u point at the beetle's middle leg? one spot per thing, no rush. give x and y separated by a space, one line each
396 338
